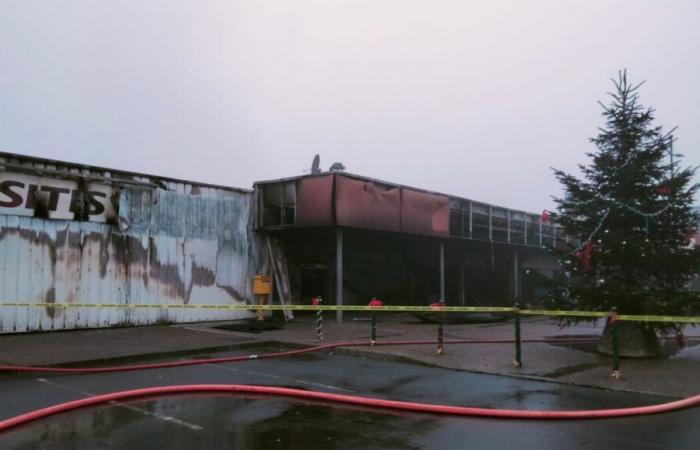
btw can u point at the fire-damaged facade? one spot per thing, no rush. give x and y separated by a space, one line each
73 233
350 238
80 234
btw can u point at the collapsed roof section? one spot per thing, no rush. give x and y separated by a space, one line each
347 200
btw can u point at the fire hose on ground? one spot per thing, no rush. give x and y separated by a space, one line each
256 390
237 358
330 346
369 402
320 396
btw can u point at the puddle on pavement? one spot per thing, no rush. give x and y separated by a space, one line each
246 423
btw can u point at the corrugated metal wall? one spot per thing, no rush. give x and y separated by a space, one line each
179 243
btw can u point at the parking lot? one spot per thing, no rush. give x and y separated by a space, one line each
242 421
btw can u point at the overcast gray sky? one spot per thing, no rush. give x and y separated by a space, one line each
472 98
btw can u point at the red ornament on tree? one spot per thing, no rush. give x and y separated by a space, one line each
664 190
585 256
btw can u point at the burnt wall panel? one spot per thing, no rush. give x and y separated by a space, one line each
364 204
314 201
423 213
186 244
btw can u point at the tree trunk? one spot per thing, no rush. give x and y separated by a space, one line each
636 341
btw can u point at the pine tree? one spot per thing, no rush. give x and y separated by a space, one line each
628 217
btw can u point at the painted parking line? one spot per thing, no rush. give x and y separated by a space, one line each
162 417
278 377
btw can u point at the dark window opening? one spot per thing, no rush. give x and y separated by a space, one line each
278 204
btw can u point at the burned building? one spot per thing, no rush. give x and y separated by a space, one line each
72 233
349 238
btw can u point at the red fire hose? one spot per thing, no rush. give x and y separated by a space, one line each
322 396
226 359
347 399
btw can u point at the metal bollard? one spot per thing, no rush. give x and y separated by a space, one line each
373 338
518 343
440 329
437 306
319 317
261 311
615 341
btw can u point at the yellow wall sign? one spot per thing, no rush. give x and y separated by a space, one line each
262 284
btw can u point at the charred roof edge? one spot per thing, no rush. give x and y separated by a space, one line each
35 159
396 185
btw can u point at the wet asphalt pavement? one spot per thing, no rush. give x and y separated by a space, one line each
210 421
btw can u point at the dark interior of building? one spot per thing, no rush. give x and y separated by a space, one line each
402 245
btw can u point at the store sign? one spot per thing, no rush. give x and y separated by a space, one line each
53 198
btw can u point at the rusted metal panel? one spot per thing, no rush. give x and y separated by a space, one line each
314 201
184 244
423 213
365 204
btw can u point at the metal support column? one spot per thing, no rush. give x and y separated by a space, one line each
509 226
525 229
516 276
471 234
442 271
462 285
339 273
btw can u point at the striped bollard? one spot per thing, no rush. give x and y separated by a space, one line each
316 301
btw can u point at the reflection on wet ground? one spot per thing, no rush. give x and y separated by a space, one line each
209 421
589 343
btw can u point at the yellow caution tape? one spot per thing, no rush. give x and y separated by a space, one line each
544 312
679 319
422 309
266 307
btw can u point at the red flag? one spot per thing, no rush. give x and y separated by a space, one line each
544 217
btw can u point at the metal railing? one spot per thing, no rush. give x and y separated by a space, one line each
612 317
